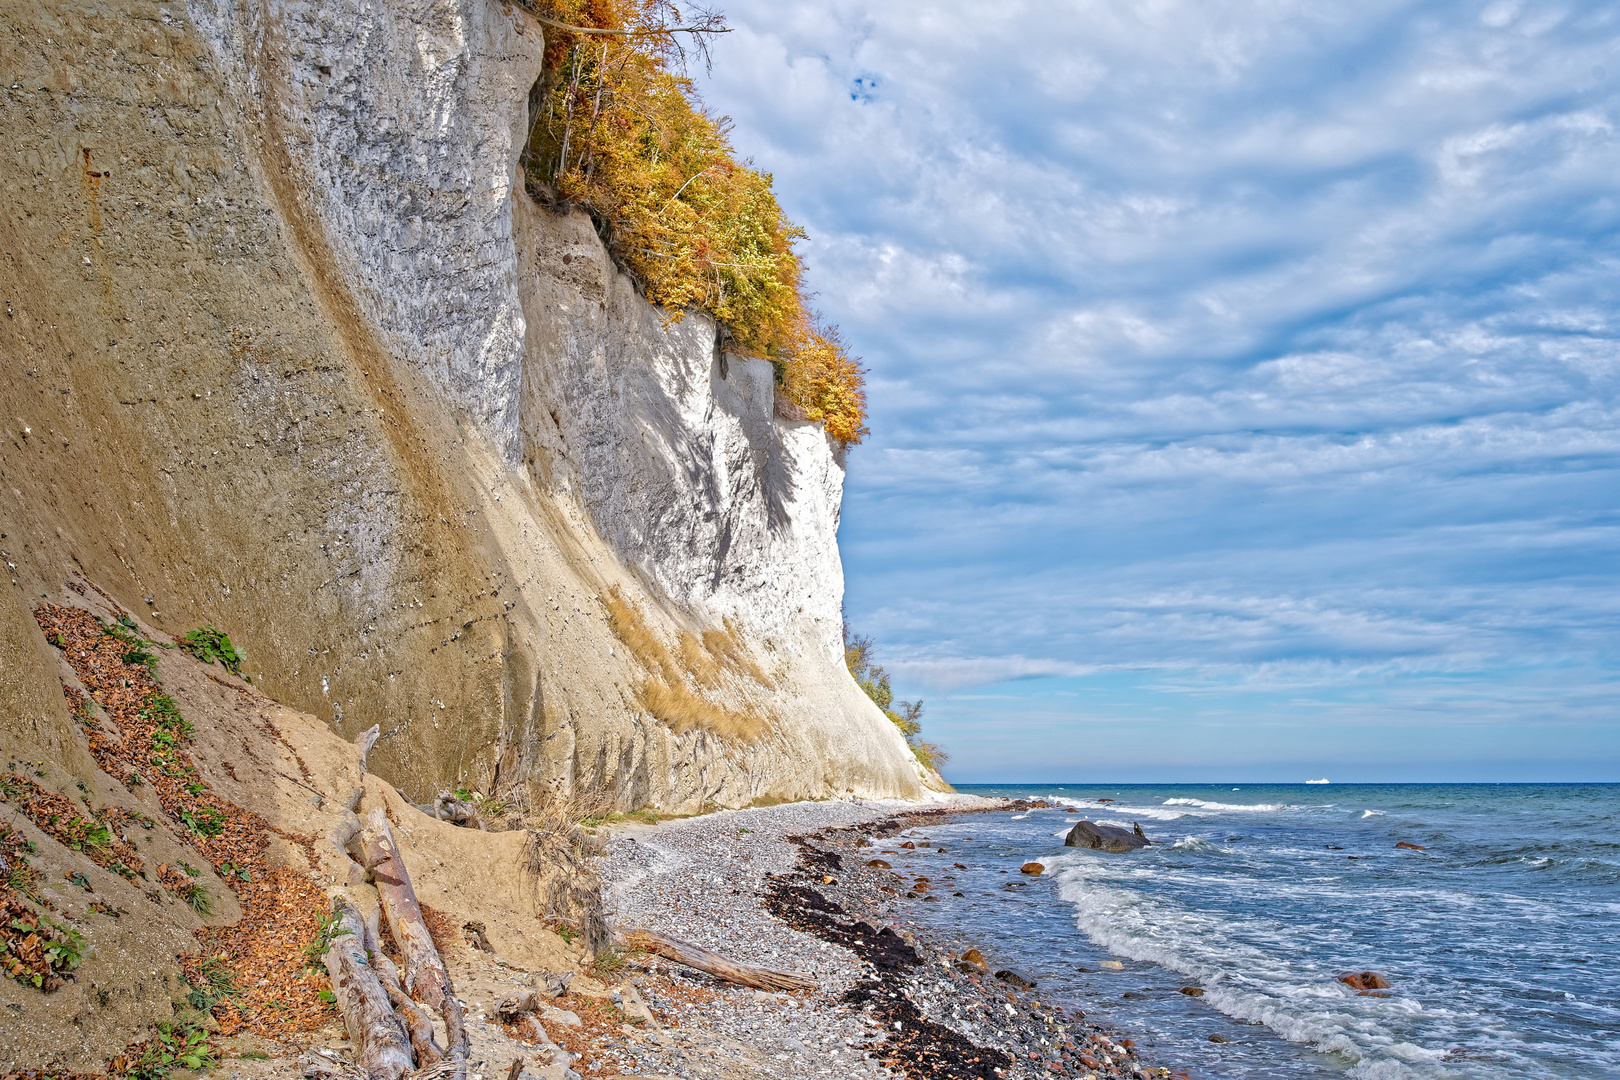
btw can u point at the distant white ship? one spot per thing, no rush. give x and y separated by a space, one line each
1317 781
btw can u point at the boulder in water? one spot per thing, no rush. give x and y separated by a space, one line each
1364 980
1088 834
1033 868
1014 978
1412 847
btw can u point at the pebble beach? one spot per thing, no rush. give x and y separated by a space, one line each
792 887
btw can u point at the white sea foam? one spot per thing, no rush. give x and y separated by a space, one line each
1145 813
1244 965
1259 808
1192 843
1372 813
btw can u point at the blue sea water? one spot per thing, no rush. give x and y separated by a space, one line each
1501 939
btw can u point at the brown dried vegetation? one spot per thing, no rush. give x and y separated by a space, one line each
143 739
718 662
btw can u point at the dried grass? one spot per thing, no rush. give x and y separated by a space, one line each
566 889
673 692
683 710
698 661
727 645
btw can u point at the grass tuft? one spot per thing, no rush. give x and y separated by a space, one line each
674 690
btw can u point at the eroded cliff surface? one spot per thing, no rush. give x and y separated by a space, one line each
288 349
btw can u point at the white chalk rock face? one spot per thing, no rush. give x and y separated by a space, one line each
598 445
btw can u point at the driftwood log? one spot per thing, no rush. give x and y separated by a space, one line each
712 963
365 741
425 974
456 811
382 1045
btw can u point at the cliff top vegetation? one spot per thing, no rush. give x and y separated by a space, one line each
617 128
859 657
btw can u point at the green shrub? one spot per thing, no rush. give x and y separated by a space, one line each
907 716
211 645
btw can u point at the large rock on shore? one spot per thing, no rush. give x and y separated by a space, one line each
1088 834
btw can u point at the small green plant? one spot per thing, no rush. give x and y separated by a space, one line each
66 950
174 1046
198 897
25 880
87 836
212 645
203 820
162 711
608 964
329 930
214 983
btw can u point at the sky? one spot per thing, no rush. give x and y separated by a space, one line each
1243 377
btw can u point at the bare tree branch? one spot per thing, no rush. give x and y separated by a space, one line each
706 22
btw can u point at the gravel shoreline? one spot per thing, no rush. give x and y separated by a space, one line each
790 887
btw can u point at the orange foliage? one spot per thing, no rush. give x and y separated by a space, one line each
617 130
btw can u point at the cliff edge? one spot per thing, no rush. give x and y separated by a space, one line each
288 349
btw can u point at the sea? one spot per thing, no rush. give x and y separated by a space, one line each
1500 938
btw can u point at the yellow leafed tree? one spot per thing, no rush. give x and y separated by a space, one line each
618 130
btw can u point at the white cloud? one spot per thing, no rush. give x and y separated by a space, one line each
1215 337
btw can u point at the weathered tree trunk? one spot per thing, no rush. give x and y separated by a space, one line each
382 1046
692 956
424 970
418 1022
420 1026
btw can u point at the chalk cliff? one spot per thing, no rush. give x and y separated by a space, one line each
288 349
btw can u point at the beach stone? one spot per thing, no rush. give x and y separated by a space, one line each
1364 980
1193 991
1014 978
1033 868
976 958
1088 834
1412 847
635 1010
909 844
879 863
560 1016
1219 1039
